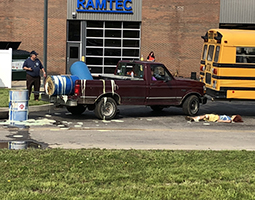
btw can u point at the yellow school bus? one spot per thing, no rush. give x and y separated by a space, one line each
228 64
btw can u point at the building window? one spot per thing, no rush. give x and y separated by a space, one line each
74 31
74 52
95 24
110 41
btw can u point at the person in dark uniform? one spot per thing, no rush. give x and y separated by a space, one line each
33 66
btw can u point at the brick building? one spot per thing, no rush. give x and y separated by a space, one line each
173 29
170 28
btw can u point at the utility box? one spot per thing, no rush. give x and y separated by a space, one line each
18 58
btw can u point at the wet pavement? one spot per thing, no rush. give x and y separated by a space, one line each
19 138
136 127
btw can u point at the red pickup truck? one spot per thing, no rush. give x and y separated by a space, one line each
133 83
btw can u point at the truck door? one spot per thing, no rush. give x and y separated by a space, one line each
133 88
161 91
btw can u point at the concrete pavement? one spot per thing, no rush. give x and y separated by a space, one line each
140 128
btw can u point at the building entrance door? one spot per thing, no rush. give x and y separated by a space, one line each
73 55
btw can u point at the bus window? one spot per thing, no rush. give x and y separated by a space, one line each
245 54
216 56
204 52
210 53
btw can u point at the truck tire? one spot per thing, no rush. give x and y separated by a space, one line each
76 110
191 105
106 108
157 108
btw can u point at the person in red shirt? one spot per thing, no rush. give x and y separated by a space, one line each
151 57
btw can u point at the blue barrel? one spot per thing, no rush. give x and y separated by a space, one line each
81 70
60 85
18 106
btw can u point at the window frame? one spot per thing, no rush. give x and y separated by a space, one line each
210 53
119 44
124 69
245 55
216 54
167 76
204 52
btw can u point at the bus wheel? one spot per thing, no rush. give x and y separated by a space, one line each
76 110
106 108
191 105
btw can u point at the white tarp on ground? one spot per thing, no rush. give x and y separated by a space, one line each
6 68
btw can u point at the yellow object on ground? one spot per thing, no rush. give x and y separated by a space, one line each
211 118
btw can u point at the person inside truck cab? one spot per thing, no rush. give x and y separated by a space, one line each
152 75
136 71
131 72
158 72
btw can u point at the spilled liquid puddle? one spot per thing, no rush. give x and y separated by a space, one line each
20 139
19 136
26 145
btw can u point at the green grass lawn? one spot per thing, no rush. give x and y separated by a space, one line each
126 174
4 99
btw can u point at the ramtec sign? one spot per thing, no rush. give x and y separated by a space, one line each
105 6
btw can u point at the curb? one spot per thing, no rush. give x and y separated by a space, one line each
4 111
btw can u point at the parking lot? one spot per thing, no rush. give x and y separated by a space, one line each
138 127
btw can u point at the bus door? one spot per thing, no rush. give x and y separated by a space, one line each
207 64
209 60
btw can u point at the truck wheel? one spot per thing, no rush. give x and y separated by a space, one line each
157 108
76 110
191 105
106 108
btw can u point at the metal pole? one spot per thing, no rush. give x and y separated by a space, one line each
45 34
